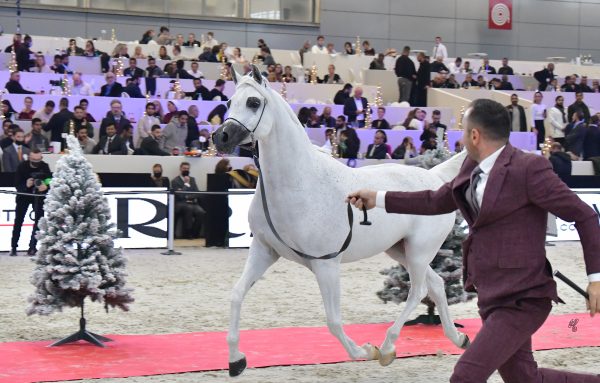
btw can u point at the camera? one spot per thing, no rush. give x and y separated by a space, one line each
55 82
41 178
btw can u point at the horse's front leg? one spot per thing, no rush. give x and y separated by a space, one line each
261 257
328 277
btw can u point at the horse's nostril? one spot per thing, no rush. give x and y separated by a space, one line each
224 137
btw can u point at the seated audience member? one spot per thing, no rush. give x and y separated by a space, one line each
40 65
340 122
112 88
203 141
349 143
114 117
469 82
192 134
14 86
127 138
331 49
78 122
8 112
46 112
561 161
164 37
355 108
438 65
458 146
58 66
27 112
429 137
35 138
467 67
456 67
162 53
194 72
288 76
111 143
343 95
486 67
172 111
379 149
349 48
180 72
120 51
176 54
367 49
481 82
591 142
133 70
87 144
314 120
138 54
90 51
406 149
6 139
436 120
505 69
320 46
207 55
268 59
187 206
191 41
326 119
84 103
569 85
304 116
380 122
176 131
415 120
583 85
147 36
505 84
377 63
153 71
153 145
157 178
15 153
216 94
80 87
133 88
200 92
146 122
329 137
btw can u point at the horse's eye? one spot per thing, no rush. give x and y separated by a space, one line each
253 102
228 104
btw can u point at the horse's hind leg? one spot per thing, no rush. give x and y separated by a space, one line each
327 273
259 260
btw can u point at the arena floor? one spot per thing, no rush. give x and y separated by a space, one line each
190 293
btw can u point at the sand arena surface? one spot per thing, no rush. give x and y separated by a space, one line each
190 293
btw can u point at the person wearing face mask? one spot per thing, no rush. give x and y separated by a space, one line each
157 178
16 153
32 177
187 207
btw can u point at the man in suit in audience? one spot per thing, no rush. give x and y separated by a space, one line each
14 86
486 67
505 69
58 121
200 91
16 153
133 88
116 117
355 108
152 145
111 143
112 88
133 70
505 195
24 54
216 94
544 77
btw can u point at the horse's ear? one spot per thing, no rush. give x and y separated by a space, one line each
234 75
256 74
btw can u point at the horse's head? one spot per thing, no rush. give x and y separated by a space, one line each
249 112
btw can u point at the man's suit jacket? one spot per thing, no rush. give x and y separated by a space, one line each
379 152
544 77
117 146
115 91
137 72
504 257
522 118
15 87
10 158
350 108
151 147
110 120
57 124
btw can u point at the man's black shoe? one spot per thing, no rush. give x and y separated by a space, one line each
13 253
31 252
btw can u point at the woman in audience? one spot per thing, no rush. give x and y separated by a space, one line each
159 113
379 149
8 112
120 51
287 74
314 121
367 50
147 36
170 70
177 53
348 49
237 57
90 49
405 150
172 108
349 143
278 73
303 115
162 53
157 177
138 54
331 77
271 76
412 122
40 65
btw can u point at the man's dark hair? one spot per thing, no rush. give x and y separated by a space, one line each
57 57
514 95
436 113
132 59
491 118
219 82
50 103
155 127
84 100
342 117
34 150
150 104
163 29
381 108
577 93
64 102
182 113
320 37
406 48
78 107
347 86
35 121
184 164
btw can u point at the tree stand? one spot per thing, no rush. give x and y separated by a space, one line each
429 319
83 334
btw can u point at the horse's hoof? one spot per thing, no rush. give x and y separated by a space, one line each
373 352
387 359
236 368
466 343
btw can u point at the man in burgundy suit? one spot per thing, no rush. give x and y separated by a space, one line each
505 195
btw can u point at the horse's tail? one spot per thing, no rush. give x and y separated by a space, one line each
449 169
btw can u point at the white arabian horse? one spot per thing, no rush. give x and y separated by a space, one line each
305 190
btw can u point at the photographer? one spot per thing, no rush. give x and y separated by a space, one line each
32 176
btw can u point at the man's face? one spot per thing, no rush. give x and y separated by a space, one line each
110 78
82 135
380 113
320 41
339 122
579 97
28 103
191 37
378 139
504 62
183 119
331 69
84 105
467 65
35 157
583 80
116 108
195 66
76 79
151 63
435 118
358 92
157 133
514 100
327 111
150 109
184 168
132 64
560 101
18 137
193 111
36 127
438 40
551 67
48 109
111 130
197 83
79 113
126 133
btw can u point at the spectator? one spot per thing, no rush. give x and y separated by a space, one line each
191 41
202 143
194 72
73 46
314 120
153 144
349 143
304 116
120 51
558 120
57 122
518 120
78 122
379 149
16 153
439 49
133 70
192 125
146 122
164 37
456 67
578 105
505 84
112 88
90 49
377 63
380 122
278 73
288 76
40 65
35 138
561 161
569 85
46 112
65 63
187 207
17 40
80 87
7 138
84 103
133 88
583 85
326 119
211 41
486 67
266 55
355 108
469 82
481 83
87 144
329 137
216 94
14 86
545 76
405 150
176 131
591 142
575 133
115 117
180 72
160 114
331 49
207 55
110 143
200 91
436 120
162 53
138 54
538 115
152 71
429 138
27 112
406 73
340 123
343 95
305 48
438 66
147 36
505 69
127 138
172 108
237 57
415 120
319 47
157 177
58 66
423 80
348 49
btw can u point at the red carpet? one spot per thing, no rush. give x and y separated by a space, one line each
136 355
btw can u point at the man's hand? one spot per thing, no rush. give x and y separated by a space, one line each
594 303
29 182
362 198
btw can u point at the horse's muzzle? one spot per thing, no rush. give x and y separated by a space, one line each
228 136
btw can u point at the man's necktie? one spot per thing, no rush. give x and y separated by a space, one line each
20 152
107 145
471 192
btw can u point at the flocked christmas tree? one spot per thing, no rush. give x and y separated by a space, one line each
447 263
76 258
